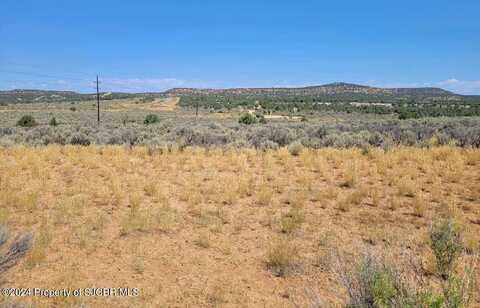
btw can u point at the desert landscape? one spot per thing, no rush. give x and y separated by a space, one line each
307 154
229 227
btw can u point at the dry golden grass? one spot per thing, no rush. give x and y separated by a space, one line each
214 227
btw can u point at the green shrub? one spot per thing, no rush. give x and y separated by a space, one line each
151 119
446 244
53 122
407 114
374 284
247 119
457 292
27 121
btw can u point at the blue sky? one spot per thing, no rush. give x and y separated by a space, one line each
154 45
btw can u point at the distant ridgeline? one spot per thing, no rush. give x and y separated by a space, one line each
342 97
339 97
43 96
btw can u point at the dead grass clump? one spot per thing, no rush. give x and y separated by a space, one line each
202 240
264 194
419 205
38 252
246 185
217 294
137 217
229 191
150 189
268 218
4 215
297 199
406 187
281 256
295 148
28 200
454 167
63 212
329 193
394 203
135 201
345 202
223 215
163 218
375 197
472 157
292 220
191 193
350 175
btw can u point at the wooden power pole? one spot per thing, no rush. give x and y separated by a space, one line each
98 103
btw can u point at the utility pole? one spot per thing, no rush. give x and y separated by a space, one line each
196 110
98 104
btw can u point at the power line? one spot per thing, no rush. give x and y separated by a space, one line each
98 104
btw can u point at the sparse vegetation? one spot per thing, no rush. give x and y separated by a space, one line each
122 124
246 210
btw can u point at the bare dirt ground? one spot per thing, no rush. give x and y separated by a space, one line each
158 105
282 117
193 228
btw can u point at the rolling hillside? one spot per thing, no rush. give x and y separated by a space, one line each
43 96
334 91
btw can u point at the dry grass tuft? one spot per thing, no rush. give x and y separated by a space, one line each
264 194
292 220
281 256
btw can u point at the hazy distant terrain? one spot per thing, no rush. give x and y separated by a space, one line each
46 96
333 92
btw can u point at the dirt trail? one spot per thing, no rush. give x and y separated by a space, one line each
160 104
168 104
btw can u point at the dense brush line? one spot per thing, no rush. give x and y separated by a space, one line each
462 132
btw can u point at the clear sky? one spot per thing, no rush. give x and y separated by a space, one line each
154 45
